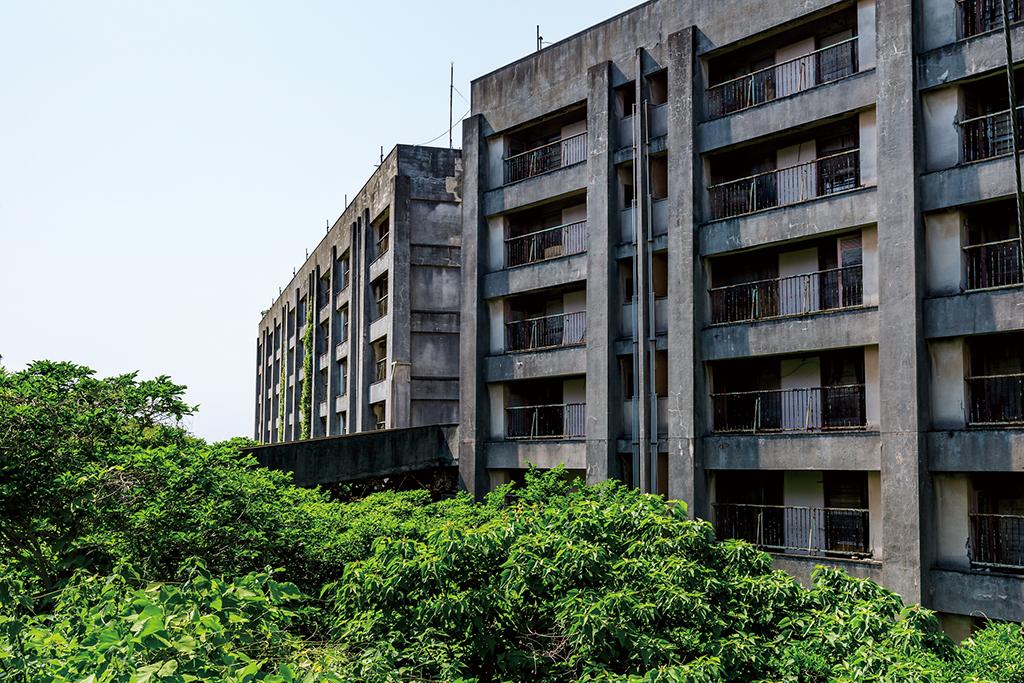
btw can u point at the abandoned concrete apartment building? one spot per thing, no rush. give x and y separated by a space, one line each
382 288
765 262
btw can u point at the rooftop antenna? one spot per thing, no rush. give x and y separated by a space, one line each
451 95
382 154
327 221
540 39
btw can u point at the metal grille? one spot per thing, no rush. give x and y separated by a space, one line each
997 541
995 264
988 136
981 16
796 295
826 65
562 240
546 158
813 409
562 421
785 186
564 329
996 399
811 530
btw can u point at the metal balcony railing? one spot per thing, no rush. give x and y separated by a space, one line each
562 422
995 264
826 65
988 136
381 370
814 409
982 16
996 399
546 158
797 530
549 331
997 541
381 307
785 186
383 244
825 290
549 243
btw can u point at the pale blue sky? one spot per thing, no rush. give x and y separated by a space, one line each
165 165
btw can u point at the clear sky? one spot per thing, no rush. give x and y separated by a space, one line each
165 165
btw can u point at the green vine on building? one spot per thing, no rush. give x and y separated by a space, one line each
305 406
282 399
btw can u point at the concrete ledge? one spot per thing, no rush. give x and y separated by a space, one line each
541 188
380 327
799 109
379 391
380 265
551 273
997 310
860 451
543 454
341 459
976 450
800 568
839 329
536 364
818 217
966 184
996 596
966 58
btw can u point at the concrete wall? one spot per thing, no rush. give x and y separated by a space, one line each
869 245
952 532
866 33
872 386
352 458
938 23
947 363
943 252
868 141
939 111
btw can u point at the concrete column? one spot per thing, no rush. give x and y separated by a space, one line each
903 394
399 305
474 403
603 395
362 360
685 279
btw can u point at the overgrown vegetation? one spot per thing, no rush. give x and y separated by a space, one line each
306 400
132 551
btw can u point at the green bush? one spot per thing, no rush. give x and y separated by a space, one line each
131 551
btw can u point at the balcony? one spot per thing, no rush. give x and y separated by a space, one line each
982 16
546 158
996 400
546 332
839 532
997 542
814 409
827 65
826 290
988 136
380 370
993 265
383 245
549 243
565 421
785 186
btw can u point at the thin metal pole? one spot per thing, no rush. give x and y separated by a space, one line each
1014 129
451 95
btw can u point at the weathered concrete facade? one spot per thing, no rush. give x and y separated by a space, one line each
383 287
755 256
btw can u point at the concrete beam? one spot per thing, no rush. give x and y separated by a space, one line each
974 313
976 450
841 329
809 452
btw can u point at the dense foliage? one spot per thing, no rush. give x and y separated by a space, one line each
131 551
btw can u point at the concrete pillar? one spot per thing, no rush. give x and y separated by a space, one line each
901 354
603 394
473 396
399 306
685 279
